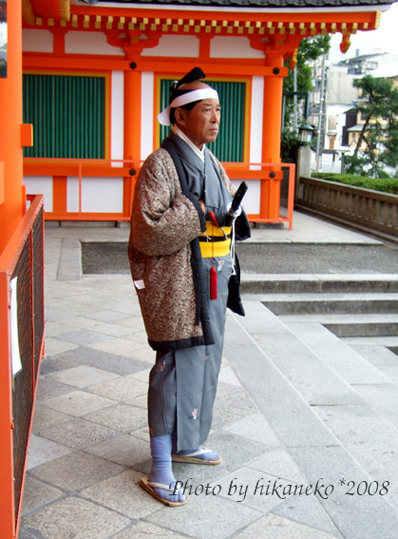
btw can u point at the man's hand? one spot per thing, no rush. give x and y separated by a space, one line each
203 206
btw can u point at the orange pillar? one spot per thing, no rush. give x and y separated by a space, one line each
272 128
12 201
12 204
7 507
132 130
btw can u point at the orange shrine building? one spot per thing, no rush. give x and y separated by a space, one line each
97 73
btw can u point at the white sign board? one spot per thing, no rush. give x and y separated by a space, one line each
15 356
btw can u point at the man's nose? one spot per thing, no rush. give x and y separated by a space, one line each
215 118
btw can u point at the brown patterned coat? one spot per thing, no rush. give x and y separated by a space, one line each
163 223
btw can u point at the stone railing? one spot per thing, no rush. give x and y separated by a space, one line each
364 207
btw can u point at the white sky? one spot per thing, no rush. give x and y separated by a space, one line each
384 39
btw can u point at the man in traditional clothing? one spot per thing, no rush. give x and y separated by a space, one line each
181 264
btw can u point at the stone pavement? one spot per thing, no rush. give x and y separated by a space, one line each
309 443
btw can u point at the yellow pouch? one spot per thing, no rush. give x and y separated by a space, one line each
218 247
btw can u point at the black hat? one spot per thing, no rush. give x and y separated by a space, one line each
195 74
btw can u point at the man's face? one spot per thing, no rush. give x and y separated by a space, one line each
201 123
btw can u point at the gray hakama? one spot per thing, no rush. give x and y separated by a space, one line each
183 384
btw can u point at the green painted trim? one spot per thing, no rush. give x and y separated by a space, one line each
230 141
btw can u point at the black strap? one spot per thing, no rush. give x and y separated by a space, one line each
168 145
202 314
234 300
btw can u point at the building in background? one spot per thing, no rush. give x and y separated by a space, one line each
368 63
340 121
94 83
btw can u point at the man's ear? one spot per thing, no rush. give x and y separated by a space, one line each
179 115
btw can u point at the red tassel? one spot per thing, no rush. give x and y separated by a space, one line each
213 271
213 283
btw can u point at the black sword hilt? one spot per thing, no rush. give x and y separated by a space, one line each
240 193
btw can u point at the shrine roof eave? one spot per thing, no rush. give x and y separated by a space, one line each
160 10
269 24
263 4
182 11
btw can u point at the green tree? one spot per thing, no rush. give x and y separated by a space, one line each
377 145
310 49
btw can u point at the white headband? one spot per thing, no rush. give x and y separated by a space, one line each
184 99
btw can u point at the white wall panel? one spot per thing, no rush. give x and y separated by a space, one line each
233 47
90 43
102 195
40 185
72 194
169 45
147 97
251 202
37 40
256 126
117 117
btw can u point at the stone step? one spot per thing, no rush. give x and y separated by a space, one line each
263 283
321 407
316 362
304 257
376 354
351 325
387 341
269 383
282 304
385 359
336 353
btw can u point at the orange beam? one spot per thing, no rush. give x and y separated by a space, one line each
59 193
53 216
214 68
73 62
51 169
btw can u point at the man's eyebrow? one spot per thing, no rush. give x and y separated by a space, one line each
209 103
